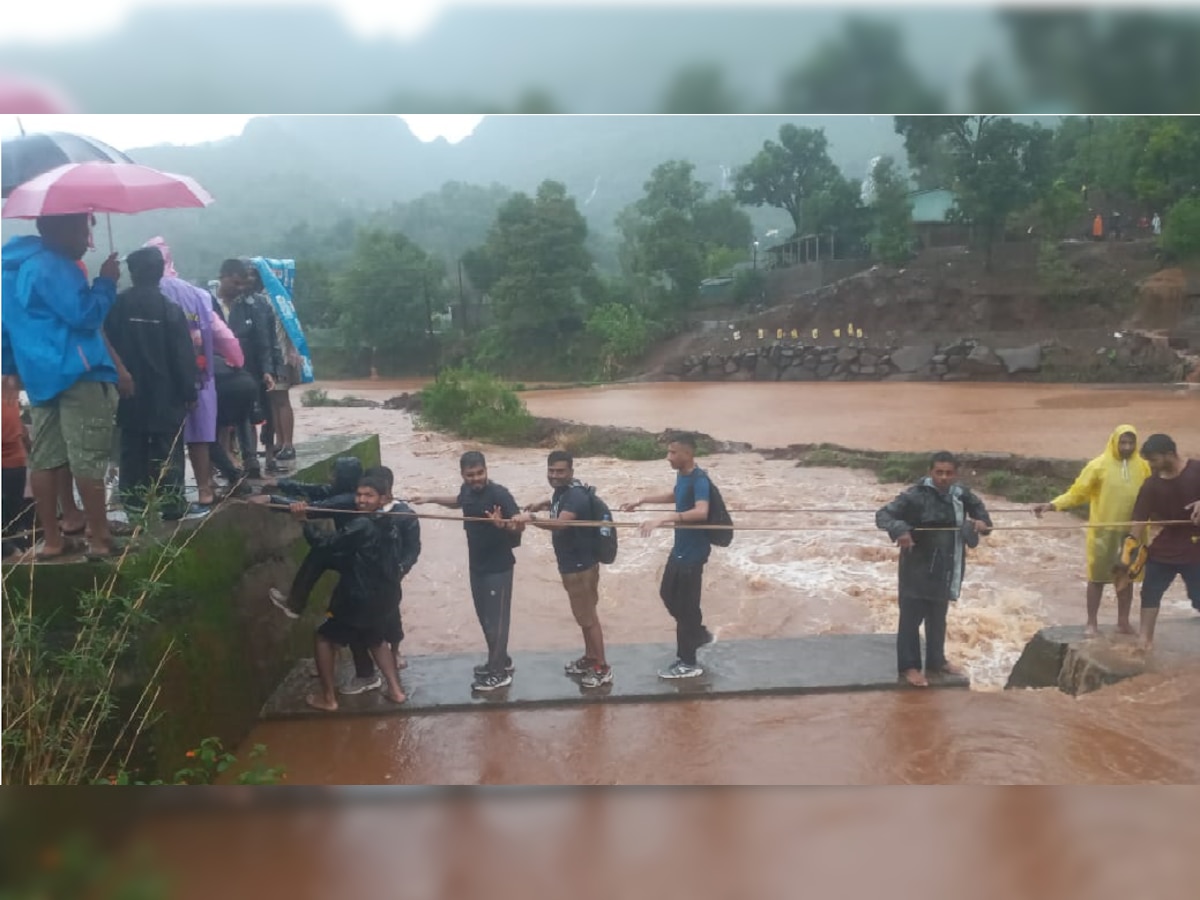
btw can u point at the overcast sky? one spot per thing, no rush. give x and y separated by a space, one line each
129 131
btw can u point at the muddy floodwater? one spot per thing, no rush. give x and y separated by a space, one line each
830 572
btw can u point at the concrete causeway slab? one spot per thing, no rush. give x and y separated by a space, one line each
1064 657
739 668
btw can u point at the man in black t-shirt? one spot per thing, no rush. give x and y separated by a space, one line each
575 551
490 560
1171 494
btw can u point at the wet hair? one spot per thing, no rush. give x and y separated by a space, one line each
943 456
233 267
376 483
470 460
53 226
1159 444
252 272
146 266
382 472
557 456
687 439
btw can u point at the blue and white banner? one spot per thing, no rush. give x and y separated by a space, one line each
278 277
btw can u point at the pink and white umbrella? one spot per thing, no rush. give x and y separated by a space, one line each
92 187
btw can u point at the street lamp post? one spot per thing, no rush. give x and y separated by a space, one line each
755 256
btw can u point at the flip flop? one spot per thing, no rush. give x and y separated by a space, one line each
114 552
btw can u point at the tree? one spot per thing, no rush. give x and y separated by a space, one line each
864 70
381 297
313 295
996 165
788 173
890 238
674 235
540 274
1181 230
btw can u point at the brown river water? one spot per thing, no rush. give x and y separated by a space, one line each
772 584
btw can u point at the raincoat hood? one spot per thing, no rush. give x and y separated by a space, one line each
1113 439
169 271
19 249
347 470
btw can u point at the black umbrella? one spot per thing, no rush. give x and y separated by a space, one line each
29 155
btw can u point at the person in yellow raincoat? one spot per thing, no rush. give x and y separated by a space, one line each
1110 485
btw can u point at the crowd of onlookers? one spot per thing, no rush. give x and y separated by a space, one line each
126 381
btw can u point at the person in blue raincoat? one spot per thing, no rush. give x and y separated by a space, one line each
54 346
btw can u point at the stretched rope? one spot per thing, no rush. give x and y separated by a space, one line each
586 523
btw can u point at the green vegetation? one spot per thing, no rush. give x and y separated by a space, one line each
475 405
907 468
639 448
1181 231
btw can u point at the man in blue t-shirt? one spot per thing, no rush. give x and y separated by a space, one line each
682 579
490 560
578 563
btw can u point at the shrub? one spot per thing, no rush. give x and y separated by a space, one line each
475 405
314 397
638 448
1181 230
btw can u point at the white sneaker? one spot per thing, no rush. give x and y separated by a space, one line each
279 598
680 669
358 685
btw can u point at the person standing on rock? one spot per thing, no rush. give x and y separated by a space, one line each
1170 494
575 551
1109 484
933 523
683 577
490 560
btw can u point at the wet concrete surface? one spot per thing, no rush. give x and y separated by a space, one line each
774 667
1066 658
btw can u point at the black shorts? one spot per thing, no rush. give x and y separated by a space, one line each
337 632
1159 576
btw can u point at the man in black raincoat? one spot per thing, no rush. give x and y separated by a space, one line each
932 562
150 333
366 557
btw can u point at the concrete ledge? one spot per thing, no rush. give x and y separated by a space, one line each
1065 658
776 667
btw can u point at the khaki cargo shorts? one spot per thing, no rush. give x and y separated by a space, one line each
76 429
583 588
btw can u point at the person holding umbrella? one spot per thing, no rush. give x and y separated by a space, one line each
53 346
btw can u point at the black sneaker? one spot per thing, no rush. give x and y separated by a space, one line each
487 683
482 669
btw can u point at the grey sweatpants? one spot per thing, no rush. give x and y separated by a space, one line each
492 594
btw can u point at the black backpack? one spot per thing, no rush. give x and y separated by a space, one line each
718 514
604 539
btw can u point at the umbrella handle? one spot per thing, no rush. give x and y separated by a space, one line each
108 219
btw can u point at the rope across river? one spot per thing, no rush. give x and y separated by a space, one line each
586 523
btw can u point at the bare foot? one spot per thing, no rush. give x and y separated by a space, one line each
318 701
401 662
914 678
1126 628
1145 645
395 696
1091 630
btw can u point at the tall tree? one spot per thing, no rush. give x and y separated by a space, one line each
540 271
787 173
996 165
890 238
382 297
674 234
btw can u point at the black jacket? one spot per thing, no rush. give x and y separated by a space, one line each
933 568
151 335
252 322
365 554
407 532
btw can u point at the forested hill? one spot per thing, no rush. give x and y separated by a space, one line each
287 180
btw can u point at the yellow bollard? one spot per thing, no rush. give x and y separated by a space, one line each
858 333
779 333
795 334
760 334
815 332
837 332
